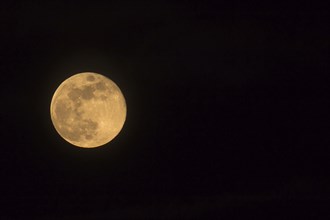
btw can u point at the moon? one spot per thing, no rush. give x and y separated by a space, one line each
88 110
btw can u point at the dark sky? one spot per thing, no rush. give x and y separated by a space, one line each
228 109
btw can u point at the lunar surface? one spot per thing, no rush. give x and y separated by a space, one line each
88 110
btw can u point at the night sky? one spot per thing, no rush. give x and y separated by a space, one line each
227 110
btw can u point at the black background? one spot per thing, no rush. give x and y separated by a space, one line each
227 109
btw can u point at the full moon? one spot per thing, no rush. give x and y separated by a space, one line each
88 110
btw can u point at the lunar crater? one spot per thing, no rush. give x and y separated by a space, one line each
90 78
74 94
100 86
88 92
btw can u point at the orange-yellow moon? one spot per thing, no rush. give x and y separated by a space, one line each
88 110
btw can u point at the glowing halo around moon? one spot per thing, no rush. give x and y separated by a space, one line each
88 110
